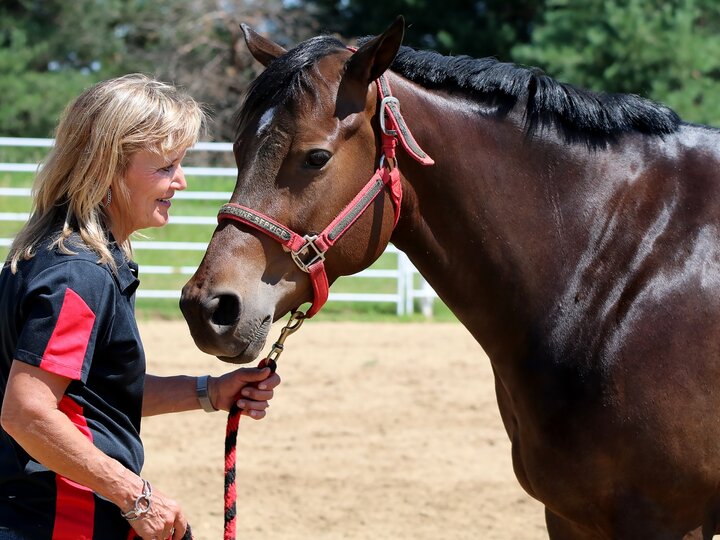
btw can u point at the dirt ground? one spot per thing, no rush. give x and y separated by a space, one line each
378 431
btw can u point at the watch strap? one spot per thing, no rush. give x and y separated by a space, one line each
201 387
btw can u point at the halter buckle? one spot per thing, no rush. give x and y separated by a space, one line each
308 248
381 115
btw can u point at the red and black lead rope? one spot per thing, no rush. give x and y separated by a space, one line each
230 521
230 516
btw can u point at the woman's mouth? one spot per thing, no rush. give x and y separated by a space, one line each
164 202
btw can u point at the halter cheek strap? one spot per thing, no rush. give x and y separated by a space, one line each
308 251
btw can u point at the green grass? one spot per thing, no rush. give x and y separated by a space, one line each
22 154
148 308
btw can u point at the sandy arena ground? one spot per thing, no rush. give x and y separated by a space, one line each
378 431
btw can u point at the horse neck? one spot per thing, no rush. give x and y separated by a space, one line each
484 225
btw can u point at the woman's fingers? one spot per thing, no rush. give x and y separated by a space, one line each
271 382
255 394
252 405
180 531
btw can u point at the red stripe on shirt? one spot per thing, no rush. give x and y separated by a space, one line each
66 348
75 504
74 511
75 413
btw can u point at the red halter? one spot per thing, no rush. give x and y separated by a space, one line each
308 251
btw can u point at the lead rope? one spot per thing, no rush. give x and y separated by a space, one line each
230 529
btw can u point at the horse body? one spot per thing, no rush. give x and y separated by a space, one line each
589 271
591 279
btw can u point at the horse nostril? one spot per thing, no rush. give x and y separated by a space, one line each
225 309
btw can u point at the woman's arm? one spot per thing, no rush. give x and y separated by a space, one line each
253 387
31 415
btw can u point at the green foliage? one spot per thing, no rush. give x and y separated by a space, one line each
668 51
50 50
488 28
32 98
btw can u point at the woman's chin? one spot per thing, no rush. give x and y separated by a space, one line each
160 219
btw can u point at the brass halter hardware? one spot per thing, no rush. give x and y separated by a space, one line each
296 320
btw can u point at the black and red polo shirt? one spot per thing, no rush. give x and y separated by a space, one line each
71 316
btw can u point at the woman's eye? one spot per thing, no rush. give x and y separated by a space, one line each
316 159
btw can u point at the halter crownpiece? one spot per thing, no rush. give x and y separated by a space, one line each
308 251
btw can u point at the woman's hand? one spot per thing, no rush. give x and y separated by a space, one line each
164 520
252 388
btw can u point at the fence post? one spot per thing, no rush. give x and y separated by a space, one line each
401 287
427 300
408 271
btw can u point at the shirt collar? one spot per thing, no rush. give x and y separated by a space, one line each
127 271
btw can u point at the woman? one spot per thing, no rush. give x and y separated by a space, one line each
72 367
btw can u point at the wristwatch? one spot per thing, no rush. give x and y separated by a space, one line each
202 394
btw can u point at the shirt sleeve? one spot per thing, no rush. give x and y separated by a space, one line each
65 310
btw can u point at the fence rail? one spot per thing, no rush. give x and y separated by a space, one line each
409 285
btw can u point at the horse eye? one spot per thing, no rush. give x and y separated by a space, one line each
316 159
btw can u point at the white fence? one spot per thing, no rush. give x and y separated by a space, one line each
409 285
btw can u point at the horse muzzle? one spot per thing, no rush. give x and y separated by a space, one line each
220 328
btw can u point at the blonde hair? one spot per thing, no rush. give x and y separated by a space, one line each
95 138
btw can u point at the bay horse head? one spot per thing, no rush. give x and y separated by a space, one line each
310 177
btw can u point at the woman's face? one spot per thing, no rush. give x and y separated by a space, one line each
152 180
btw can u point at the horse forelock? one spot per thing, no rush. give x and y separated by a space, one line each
284 80
580 115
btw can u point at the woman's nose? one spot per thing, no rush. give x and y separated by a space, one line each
179 179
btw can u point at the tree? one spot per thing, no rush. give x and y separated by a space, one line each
475 28
198 44
667 50
50 50
41 66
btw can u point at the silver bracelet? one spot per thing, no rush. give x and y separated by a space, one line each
201 387
142 503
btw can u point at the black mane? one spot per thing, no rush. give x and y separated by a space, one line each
580 115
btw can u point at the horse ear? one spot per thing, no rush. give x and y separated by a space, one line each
367 64
372 59
263 50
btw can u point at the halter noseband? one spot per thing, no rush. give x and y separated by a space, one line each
308 251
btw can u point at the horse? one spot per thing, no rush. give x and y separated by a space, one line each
573 233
